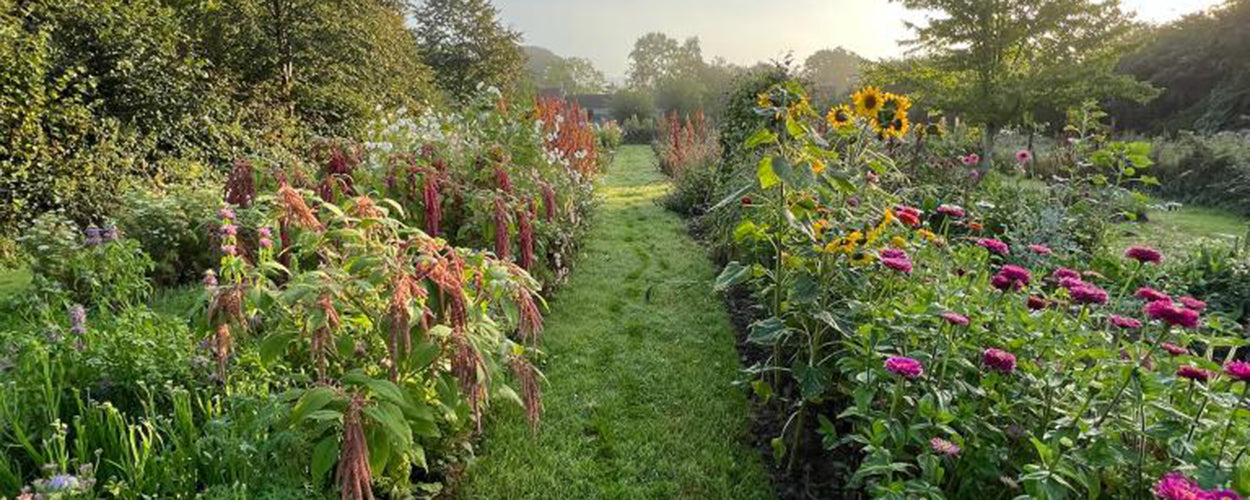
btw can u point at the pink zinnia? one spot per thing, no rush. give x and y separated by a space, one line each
1088 294
1123 322
1176 486
1239 370
1024 156
1151 294
1144 255
1070 283
971 159
944 447
1064 272
1163 310
1035 303
1194 373
908 215
994 246
1015 273
1040 249
907 368
1174 349
900 265
951 210
1004 283
893 253
1192 303
955 318
999 360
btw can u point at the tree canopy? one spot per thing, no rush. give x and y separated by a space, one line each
467 45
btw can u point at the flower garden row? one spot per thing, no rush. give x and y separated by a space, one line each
366 307
932 349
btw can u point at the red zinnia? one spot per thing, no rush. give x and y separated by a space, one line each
1163 310
1000 360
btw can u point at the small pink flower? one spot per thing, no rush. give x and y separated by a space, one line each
1088 294
971 159
1192 303
1238 370
944 447
1070 283
229 229
907 368
994 246
1015 273
1164 310
1064 272
951 211
1024 156
229 250
1123 322
893 253
1000 360
955 318
1194 373
264 232
1174 349
1150 294
266 243
226 213
1144 255
1040 249
901 265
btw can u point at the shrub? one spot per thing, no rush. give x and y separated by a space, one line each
688 152
638 131
96 265
175 227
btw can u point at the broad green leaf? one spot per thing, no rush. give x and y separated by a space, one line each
765 173
312 400
325 454
273 346
733 274
767 331
761 136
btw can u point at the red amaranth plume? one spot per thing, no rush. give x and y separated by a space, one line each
354 475
240 188
502 180
433 208
531 392
525 237
503 244
468 366
295 210
549 202
530 324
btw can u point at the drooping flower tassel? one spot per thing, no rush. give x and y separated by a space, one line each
525 238
467 366
354 475
530 323
503 244
549 202
433 209
502 180
531 392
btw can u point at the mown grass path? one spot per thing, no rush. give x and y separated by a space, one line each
639 401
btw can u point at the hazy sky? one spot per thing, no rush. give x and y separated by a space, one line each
741 31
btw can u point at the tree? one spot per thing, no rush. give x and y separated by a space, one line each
656 57
996 60
575 75
465 43
832 73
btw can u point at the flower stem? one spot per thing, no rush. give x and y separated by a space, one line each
1245 388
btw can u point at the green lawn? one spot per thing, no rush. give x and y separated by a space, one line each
639 401
1174 232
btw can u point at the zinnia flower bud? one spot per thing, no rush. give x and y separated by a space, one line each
1036 303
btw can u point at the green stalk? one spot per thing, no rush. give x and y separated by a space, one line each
1245 388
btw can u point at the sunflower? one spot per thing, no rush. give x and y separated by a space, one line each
897 127
863 258
898 104
868 101
841 117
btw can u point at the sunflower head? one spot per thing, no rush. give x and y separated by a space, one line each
896 128
840 117
895 104
869 101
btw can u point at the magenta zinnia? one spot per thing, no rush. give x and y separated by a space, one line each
1192 303
1040 249
907 368
955 318
1150 294
1123 322
1000 360
994 246
1238 370
1174 349
1165 311
893 253
1088 294
1194 373
1144 255
1064 272
902 265
1015 273
1176 486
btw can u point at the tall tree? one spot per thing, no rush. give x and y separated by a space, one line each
996 60
574 75
831 73
467 45
657 57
